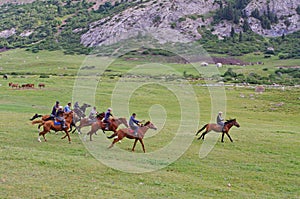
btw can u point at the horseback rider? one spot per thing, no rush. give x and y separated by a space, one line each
67 108
60 117
76 105
93 113
106 118
134 124
220 120
54 109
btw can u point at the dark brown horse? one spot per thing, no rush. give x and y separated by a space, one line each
41 85
50 125
121 133
114 124
217 128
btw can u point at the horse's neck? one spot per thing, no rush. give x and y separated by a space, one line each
229 125
143 130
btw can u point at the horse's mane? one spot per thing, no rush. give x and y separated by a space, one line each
230 120
147 123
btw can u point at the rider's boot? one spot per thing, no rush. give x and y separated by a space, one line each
106 128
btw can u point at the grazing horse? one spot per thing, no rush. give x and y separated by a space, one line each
41 85
50 125
114 124
129 133
12 85
217 128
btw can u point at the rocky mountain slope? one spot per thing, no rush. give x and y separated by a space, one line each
177 20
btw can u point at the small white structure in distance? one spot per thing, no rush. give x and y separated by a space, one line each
204 64
219 65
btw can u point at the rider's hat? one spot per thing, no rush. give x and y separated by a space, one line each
109 109
57 102
220 112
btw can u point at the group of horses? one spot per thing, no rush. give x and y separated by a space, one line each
16 85
78 115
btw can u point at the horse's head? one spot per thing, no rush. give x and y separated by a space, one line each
233 122
124 121
85 105
150 125
100 116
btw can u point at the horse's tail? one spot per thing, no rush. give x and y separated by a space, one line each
201 129
112 136
38 122
35 116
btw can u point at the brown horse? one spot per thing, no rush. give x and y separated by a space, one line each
13 85
121 133
88 122
41 85
114 124
217 128
50 125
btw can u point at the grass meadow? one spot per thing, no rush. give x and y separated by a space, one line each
262 162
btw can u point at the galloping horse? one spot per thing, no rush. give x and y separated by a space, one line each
50 125
79 113
121 133
88 122
114 124
217 128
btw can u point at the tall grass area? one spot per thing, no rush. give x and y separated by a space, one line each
262 162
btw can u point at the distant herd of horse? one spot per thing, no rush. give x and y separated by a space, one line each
78 115
23 86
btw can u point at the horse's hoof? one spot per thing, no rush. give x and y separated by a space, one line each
39 140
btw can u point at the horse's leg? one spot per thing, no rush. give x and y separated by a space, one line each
115 140
135 141
229 136
91 133
39 137
67 135
202 135
222 140
201 129
141 141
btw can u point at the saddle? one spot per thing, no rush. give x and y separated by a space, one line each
131 131
56 123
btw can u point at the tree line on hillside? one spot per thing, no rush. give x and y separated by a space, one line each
53 24
282 76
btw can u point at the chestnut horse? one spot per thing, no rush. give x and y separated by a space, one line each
13 85
78 114
50 125
121 133
49 117
114 124
88 122
217 128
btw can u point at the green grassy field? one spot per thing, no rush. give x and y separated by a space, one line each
262 162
